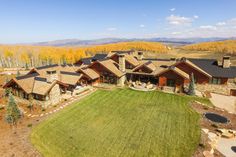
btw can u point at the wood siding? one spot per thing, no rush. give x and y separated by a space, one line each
171 75
200 78
105 75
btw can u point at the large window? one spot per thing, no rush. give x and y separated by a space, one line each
170 83
216 80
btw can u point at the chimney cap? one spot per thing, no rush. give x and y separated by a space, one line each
226 57
183 59
121 55
140 53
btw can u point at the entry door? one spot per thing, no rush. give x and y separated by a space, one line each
170 83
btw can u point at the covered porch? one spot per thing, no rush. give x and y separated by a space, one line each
141 81
142 77
173 80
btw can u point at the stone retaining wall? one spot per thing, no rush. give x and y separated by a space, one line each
220 89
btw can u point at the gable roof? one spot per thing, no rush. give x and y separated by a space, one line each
89 73
32 84
184 60
96 57
129 58
99 56
41 87
111 66
37 82
147 64
176 70
26 82
211 66
70 78
42 71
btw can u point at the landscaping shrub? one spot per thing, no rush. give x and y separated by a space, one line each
205 108
201 145
1 107
214 125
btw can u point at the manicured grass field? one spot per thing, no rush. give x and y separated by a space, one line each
121 123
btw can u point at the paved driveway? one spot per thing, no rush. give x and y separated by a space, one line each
227 103
225 145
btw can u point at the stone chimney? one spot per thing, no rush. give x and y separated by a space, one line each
140 55
52 76
121 81
226 62
121 62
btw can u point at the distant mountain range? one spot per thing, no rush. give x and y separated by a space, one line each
77 42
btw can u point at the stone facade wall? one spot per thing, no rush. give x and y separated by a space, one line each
54 95
121 81
220 89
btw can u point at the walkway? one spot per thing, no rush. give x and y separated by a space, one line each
224 146
227 103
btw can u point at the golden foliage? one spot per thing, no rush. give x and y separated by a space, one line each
42 55
227 46
139 46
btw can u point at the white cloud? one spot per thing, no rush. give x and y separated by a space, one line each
112 29
196 16
176 33
172 9
208 27
221 24
179 20
142 26
221 29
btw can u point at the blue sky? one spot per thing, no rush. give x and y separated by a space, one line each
44 20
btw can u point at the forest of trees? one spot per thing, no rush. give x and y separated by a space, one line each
33 56
227 46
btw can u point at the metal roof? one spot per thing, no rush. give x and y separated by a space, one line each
211 67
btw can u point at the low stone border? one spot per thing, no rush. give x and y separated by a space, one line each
71 100
144 90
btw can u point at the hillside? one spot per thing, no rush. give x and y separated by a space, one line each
102 41
226 47
24 56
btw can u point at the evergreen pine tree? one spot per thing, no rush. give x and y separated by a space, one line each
7 92
13 113
26 66
191 89
30 105
18 73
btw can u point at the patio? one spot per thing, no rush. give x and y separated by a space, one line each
141 86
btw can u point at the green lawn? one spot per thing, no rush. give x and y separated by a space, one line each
121 123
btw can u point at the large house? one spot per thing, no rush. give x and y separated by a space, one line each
47 83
